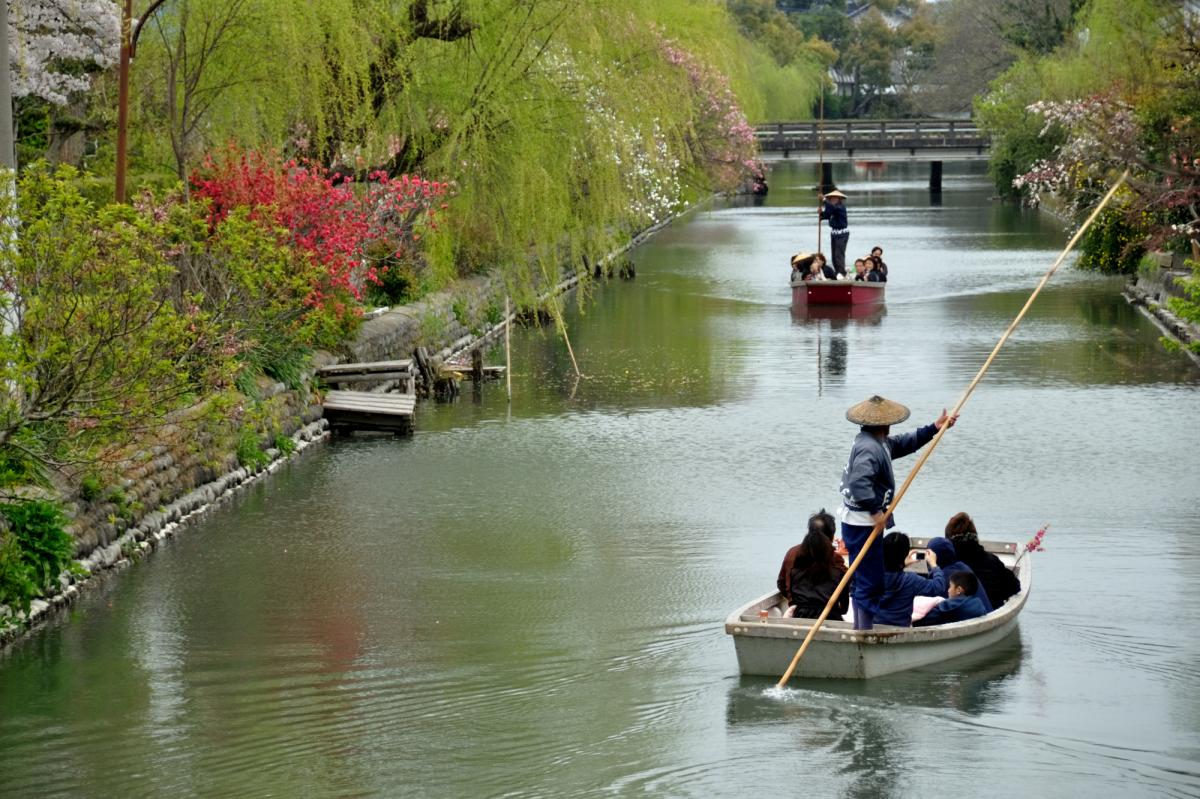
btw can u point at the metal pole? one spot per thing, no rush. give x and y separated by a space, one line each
123 99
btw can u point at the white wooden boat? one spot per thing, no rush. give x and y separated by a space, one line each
766 646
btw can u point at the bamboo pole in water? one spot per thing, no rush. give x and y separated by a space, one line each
507 349
841 586
562 328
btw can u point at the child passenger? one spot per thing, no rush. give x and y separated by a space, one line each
961 605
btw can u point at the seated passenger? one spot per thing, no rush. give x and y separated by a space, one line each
822 522
860 269
814 271
947 559
828 271
961 605
877 271
815 574
877 254
872 275
801 262
999 582
900 586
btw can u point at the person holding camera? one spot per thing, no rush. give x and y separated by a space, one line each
895 604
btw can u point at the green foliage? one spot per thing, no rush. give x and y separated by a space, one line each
459 307
248 447
399 282
34 550
90 487
17 588
100 352
494 314
1187 307
285 444
1110 244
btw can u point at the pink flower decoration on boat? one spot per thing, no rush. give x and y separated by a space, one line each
1035 543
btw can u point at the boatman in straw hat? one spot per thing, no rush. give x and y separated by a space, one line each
868 487
833 208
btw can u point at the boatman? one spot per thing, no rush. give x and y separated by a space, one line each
868 487
833 208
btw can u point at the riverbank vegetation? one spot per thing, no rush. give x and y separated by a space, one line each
293 163
1117 87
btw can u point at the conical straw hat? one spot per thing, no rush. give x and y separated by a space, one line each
877 412
801 257
835 193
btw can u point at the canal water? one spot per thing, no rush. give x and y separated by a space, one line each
529 602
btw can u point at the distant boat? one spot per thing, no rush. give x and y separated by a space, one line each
765 646
836 292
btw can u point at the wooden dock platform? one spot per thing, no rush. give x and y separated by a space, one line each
365 410
377 372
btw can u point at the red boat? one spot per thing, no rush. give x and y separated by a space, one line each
836 292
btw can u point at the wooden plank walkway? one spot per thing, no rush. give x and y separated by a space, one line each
363 410
377 372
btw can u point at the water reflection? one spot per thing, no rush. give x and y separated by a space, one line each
867 726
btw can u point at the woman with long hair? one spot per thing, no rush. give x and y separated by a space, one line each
815 573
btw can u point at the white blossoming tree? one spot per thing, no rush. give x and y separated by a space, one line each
56 48
58 45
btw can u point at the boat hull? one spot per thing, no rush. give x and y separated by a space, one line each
836 292
766 647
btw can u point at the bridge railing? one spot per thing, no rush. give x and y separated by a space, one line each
874 133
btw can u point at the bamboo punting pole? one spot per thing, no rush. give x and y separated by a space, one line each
821 156
841 586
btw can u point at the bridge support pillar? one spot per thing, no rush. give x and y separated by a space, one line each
935 175
826 177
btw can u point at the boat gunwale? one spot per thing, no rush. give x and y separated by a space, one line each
858 284
742 622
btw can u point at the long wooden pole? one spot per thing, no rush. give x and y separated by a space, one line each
875 531
821 156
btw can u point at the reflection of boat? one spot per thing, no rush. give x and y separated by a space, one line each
766 646
836 292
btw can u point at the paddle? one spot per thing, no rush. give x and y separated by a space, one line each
841 586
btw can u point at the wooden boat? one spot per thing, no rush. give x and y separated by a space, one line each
836 292
765 646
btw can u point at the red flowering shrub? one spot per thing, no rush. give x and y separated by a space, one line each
347 229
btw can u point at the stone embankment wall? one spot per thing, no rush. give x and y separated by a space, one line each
1154 286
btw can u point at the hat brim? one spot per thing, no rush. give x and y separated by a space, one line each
877 412
835 193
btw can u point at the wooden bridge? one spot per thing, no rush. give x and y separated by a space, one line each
875 140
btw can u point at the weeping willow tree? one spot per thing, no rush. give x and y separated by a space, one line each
565 125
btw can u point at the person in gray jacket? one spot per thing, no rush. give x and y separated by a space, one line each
868 486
